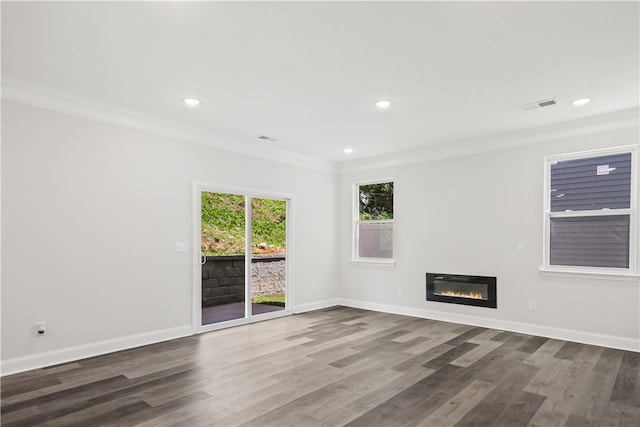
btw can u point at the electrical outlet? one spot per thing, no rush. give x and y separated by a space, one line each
533 306
40 329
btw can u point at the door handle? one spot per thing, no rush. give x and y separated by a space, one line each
203 259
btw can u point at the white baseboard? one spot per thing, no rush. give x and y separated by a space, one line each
621 343
49 358
316 305
55 357
40 360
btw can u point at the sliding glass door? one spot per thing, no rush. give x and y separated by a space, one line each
223 251
242 271
268 255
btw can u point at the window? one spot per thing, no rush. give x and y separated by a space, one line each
373 218
590 211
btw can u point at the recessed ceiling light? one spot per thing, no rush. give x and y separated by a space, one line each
383 104
348 150
581 101
192 102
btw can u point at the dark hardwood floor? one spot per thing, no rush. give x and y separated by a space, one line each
334 367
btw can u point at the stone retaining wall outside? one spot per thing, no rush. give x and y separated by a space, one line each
223 278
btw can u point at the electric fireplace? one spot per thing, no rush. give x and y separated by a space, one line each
460 289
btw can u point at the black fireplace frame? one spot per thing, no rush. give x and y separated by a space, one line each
490 281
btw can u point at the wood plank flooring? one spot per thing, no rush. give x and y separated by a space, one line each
335 367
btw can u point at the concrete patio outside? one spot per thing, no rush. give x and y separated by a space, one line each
236 310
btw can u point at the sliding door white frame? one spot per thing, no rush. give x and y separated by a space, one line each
249 194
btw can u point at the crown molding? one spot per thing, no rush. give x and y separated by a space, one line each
610 122
29 93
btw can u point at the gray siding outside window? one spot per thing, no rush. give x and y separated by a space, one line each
576 185
591 241
595 188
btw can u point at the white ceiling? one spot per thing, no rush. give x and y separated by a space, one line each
308 73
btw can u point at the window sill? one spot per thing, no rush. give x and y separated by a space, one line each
374 261
598 274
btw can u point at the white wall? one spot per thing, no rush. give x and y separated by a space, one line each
91 213
90 216
498 204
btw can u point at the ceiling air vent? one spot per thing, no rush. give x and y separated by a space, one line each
539 104
267 138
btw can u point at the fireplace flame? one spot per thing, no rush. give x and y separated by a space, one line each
471 295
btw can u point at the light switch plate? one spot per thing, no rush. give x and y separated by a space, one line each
182 247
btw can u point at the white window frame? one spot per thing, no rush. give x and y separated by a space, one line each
632 211
356 221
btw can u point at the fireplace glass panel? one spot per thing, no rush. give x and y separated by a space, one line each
461 290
